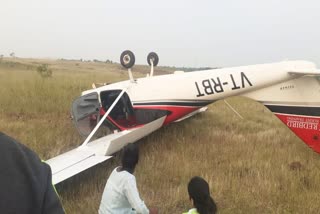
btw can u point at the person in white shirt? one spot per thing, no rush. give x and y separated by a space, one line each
120 194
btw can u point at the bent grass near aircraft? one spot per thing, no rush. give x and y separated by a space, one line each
134 108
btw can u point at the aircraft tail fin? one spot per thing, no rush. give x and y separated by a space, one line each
304 121
297 104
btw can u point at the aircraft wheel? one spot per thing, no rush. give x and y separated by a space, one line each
127 59
153 56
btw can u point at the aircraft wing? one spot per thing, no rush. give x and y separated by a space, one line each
73 162
77 160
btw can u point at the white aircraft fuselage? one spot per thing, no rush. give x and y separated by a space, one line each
134 108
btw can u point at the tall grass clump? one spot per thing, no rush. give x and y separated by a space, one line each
44 71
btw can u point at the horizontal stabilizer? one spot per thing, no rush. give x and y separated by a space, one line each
73 162
312 72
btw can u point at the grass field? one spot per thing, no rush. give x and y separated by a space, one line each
253 165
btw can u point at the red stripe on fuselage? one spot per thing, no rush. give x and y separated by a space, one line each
177 112
305 127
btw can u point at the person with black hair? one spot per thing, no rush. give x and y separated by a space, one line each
120 194
25 181
199 194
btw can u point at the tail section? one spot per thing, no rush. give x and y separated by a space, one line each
297 104
304 121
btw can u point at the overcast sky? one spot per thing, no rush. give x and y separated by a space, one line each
183 33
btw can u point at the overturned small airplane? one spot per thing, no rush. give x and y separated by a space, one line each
134 108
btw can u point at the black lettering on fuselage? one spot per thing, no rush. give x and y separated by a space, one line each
199 92
244 77
234 83
214 85
207 87
217 85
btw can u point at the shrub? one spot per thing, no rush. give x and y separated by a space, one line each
44 71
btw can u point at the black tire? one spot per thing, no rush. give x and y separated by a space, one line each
153 56
127 59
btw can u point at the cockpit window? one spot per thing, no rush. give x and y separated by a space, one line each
122 113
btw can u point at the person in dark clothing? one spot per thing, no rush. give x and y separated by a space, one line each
199 193
25 181
130 157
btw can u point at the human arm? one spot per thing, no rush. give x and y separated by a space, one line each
133 197
51 201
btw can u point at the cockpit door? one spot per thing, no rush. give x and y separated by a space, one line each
85 113
122 114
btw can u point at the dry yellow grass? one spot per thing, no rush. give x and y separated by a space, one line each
246 162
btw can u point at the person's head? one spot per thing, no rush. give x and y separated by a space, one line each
130 157
198 190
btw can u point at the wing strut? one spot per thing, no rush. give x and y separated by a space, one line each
232 109
103 118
